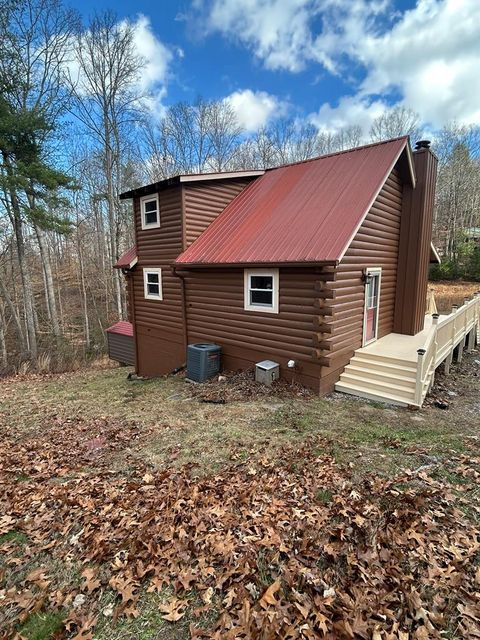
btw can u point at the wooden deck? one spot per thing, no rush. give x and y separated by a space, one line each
400 369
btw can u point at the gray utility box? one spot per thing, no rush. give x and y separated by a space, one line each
267 371
203 361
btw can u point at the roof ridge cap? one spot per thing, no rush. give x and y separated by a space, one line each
337 153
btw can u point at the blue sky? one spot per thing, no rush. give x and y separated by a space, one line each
331 62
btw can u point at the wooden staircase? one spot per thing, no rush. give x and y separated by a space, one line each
400 369
379 377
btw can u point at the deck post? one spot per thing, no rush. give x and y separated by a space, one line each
448 362
435 317
454 327
419 381
471 339
477 317
461 345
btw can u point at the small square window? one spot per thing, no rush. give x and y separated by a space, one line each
150 212
261 290
152 282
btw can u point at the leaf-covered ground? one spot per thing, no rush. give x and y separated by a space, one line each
132 510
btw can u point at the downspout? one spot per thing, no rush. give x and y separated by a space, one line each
184 307
128 273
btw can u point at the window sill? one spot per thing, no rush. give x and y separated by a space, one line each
261 309
153 225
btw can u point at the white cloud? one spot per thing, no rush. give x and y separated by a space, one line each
432 56
276 30
350 110
154 76
156 55
427 57
254 109
280 32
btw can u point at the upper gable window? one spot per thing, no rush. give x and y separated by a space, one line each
150 211
261 290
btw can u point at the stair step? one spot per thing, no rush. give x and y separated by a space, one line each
362 370
364 392
407 366
380 388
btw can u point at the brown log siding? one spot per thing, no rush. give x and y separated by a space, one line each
158 323
204 201
215 312
130 300
376 244
185 211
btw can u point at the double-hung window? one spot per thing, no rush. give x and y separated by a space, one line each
152 282
150 211
261 290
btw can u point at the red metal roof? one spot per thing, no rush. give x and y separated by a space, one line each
128 259
123 328
304 212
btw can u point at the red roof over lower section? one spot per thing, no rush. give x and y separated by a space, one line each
304 212
123 328
128 259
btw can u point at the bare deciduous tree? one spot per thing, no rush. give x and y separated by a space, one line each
108 96
399 121
458 187
224 133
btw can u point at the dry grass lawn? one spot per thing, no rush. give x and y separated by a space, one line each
94 441
448 293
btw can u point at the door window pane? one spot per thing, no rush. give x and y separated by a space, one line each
372 291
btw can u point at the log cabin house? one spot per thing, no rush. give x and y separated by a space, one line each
323 262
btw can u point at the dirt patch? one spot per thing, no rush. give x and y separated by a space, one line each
460 389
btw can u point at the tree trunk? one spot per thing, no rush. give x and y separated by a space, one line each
49 284
3 344
112 215
27 288
15 317
26 282
83 290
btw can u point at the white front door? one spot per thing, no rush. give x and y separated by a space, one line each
372 305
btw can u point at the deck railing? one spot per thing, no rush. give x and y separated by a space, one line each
441 341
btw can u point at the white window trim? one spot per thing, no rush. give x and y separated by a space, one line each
378 272
146 271
143 200
273 273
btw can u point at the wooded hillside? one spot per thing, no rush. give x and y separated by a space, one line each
77 128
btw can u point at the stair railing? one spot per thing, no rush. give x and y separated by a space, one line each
442 340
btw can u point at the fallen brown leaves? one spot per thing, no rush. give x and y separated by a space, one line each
259 546
241 386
